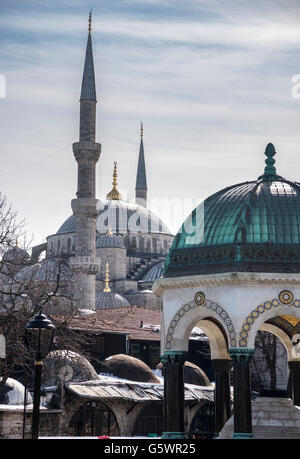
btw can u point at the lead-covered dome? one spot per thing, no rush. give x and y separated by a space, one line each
251 226
121 217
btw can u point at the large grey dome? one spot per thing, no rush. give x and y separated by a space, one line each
121 217
108 300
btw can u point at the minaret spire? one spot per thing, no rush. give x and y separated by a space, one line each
141 179
106 288
85 208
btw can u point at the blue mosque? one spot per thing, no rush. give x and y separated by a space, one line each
108 244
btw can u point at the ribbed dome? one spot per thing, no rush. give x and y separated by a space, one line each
154 272
109 240
122 217
16 255
252 226
109 300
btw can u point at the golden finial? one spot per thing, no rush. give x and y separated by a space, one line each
114 193
109 231
142 129
106 288
90 20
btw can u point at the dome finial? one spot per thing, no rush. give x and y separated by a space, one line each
106 288
109 231
142 129
90 21
114 193
270 169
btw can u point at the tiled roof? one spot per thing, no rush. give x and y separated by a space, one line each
139 323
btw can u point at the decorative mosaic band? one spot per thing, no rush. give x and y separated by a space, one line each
285 297
201 303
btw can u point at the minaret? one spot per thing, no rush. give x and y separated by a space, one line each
85 208
141 180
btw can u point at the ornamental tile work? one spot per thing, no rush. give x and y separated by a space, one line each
201 303
285 297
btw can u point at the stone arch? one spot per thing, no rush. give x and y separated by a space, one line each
265 311
74 405
191 314
282 336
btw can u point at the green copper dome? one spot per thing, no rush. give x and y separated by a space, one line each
251 226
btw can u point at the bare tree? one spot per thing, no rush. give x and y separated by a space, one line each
26 289
268 366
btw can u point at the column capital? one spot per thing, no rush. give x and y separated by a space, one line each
241 353
175 356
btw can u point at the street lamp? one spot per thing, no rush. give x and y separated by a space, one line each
39 334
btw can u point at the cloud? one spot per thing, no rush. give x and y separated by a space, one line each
212 85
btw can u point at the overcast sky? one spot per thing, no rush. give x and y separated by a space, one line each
210 79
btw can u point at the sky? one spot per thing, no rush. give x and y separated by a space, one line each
213 82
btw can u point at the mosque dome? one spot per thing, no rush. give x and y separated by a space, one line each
154 272
127 367
121 217
109 240
109 300
251 226
16 255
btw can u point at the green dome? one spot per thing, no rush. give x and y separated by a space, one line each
251 226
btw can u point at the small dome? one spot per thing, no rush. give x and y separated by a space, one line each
14 393
192 374
195 375
82 370
108 300
154 272
109 240
16 255
127 367
47 270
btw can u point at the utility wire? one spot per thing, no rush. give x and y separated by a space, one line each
36 162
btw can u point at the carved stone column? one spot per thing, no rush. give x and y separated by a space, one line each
294 367
173 372
242 392
222 369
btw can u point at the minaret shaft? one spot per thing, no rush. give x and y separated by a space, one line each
85 264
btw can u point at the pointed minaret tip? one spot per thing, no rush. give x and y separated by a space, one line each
90 21
88 86
141 179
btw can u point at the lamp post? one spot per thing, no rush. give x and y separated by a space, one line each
39 334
